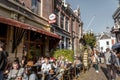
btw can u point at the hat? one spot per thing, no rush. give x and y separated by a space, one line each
30 63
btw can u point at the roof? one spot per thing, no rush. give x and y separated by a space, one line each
105 36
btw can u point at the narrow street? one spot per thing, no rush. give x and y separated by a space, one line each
92 75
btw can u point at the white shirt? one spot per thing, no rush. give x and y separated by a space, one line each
108 57
46 67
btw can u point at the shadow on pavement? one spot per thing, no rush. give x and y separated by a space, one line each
104 71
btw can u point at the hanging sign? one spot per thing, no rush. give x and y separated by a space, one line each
52 18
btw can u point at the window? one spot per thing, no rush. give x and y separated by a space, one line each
57 16
62 21
66 24
34 6
3 30
62 43
16 0
107 43
101 48
72 25
67 43
3 34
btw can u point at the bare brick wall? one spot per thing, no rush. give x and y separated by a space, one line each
28 3
46 8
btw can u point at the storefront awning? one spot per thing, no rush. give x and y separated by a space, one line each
16 23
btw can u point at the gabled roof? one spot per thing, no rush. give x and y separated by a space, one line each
105 36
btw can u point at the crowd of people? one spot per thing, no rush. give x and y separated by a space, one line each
44 68
110 59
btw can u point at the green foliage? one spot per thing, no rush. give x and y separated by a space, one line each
67 54
90 39
32 53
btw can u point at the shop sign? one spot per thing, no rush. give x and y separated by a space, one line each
52 18
53 21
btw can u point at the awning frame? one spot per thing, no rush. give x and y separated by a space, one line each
16 23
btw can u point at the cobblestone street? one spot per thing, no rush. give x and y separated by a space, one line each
92 75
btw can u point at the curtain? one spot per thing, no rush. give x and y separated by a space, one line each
18 34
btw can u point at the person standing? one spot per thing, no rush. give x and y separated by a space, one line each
2 63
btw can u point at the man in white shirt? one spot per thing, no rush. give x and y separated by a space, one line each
109 58
46 67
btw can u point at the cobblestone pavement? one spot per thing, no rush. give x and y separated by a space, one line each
92 75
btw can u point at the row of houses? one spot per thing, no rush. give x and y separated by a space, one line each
39 26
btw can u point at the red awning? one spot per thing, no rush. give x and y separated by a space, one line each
26 26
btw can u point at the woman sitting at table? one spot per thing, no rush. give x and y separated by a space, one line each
30 72
16 72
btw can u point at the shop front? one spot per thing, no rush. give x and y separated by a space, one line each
21 39
3 34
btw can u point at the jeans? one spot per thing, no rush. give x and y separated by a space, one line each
111 72
1 75
78 66
96 66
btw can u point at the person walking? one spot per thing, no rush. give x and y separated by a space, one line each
110 60
95 60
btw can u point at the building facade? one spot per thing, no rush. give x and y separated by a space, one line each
116 27
23 29
68 24
104 41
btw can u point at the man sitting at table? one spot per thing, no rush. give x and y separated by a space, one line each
46 67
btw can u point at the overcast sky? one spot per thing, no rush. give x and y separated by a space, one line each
96 14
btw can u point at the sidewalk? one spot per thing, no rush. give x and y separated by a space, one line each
92 75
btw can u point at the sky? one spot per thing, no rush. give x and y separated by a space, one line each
96 14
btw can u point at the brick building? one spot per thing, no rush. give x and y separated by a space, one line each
68 23
24 30
24 26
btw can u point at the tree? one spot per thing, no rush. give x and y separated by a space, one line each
89 39
67 54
